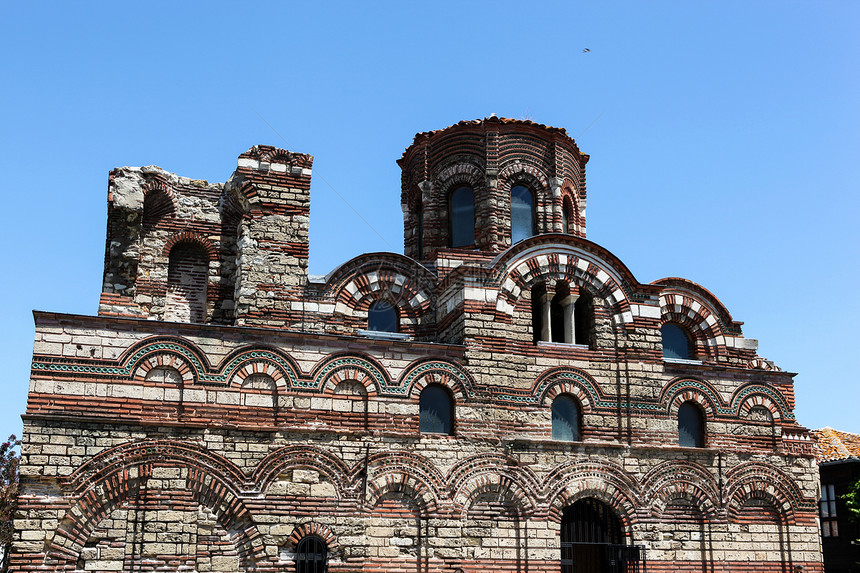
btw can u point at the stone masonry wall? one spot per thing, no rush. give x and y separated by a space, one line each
123 470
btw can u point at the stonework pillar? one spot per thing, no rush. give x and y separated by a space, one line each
569 304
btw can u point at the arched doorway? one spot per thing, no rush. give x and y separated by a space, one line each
592 541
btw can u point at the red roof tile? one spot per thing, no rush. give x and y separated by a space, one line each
832 445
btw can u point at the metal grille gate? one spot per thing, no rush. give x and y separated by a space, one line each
311 555
592 541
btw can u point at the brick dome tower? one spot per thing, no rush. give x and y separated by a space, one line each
488 183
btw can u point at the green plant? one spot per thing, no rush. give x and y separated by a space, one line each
852 500
9 459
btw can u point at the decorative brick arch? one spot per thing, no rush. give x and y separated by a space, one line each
165 359
501 481
520 172
597 478
246 361
115 476
395 279
504 490
697 320
755 480
337 368
164 205
159 185
677 479
312 528
472 472
759 363
447 373
682 390
569 191
105 463
751 395
190 237
407 473
535 180
158 351
573 381
459 173
305 457
557 262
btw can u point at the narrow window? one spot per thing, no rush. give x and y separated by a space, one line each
522 214
676 343
827 511
436 411
311 555
566 211
419 225
462 217
565 419
187 275
691 426
382 317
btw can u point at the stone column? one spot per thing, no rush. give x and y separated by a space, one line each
546 316
568 304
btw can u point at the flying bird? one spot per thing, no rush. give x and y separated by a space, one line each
585 50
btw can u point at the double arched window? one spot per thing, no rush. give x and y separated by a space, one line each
436 410
676 342
691 426
565 419
382 317
461 217
567 316
522 213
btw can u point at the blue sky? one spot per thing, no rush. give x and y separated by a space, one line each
723 138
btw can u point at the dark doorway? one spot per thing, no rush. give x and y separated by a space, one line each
592 541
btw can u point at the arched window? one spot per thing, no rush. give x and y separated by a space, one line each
461 214
187 277
566 215
522 213
565 419
676 342
382 317
311 555
691 426
436 411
